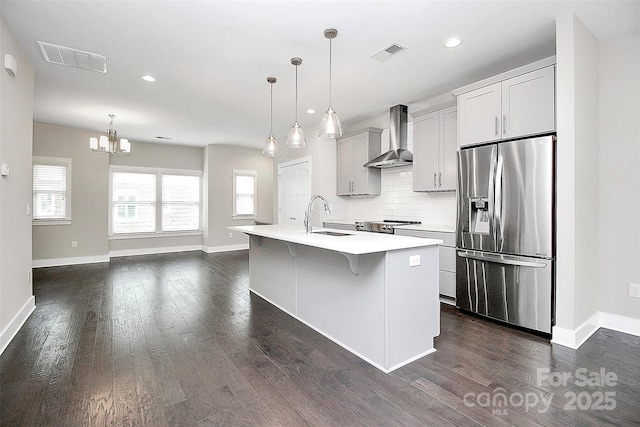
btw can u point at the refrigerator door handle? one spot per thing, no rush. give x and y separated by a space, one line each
492 200
498 203
501 259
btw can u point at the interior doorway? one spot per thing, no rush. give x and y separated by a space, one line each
294 190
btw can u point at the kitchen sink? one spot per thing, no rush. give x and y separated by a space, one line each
331 233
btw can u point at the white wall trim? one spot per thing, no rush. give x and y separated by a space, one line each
155 250
16 323
575 338
627 325
56 262
226 248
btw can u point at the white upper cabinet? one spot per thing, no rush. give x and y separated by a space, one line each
528 103
518 106
434 150
354 150
479 115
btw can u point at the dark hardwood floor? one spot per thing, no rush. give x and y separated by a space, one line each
178 340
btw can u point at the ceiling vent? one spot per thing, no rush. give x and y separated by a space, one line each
62 55
388 52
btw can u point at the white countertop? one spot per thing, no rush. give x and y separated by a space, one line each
355 243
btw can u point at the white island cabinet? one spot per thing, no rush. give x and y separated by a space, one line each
375 295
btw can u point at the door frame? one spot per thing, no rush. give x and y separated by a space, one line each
286 164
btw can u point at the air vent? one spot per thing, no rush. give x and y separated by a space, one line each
388 52
69 57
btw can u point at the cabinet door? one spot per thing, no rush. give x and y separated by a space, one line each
448 283
360 174
426 139
448 149
344 160
479 115
528 103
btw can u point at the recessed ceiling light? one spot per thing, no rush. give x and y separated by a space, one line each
311 111
148 78
453 42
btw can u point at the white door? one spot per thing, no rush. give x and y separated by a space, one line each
294 190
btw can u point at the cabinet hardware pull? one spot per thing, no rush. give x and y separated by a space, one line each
434 180
292 218
496 125
440 179
504 124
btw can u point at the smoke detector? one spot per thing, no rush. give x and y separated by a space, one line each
388 52
70 57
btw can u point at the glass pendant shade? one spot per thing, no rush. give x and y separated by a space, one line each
271 147
296 138
330 126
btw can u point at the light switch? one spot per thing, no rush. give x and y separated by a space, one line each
5 169
414 260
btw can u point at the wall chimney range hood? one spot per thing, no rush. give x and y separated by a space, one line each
398 155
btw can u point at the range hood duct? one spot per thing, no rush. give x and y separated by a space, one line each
398 155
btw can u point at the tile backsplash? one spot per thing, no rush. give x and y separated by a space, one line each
399 201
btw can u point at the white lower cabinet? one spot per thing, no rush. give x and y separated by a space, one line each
446 259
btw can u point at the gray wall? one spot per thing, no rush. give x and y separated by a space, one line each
16 124
89 196
220 161
619 172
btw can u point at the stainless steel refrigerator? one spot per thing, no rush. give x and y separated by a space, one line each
505 234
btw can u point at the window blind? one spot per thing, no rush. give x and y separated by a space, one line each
49 192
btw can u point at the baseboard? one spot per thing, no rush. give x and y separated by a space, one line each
627 325
16 323
575 338
226 248
56 262
152 251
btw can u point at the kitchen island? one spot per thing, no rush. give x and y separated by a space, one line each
375 295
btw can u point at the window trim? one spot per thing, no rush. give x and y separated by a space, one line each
254 174
158 172
53 161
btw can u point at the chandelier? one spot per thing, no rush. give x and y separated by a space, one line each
110 143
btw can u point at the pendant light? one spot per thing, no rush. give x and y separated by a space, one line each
296 138
330 126
110 143
271 148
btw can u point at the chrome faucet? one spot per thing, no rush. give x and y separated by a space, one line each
307 214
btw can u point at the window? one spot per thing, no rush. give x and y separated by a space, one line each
148 200
134 203
244 193
51 190
180 203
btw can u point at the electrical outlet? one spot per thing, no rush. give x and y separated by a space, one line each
634 290
414 260
74 244
230 234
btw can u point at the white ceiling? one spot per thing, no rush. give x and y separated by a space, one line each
211 58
